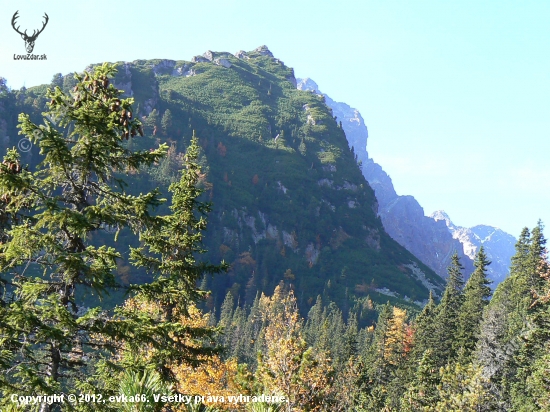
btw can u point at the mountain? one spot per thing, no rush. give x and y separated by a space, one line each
402 216
429 239
499 245
289 200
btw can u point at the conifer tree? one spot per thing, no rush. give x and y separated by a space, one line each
302 147
503 349
350 337
315 319
251 340
48 253
519 273
57 81
476 297
424 335
531 360
166 121
170 252
447 319
226 314
536 259
493 353
462 389
422 393
378 371
398 343
57 215
152 121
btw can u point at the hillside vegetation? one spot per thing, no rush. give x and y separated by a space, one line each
289 201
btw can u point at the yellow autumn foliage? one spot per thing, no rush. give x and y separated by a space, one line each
213 378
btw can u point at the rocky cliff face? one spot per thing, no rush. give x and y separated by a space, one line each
498 244
405 221
433 239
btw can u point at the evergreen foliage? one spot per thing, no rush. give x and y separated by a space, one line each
476 297
53 214
425 338
422 391
49 256
446 322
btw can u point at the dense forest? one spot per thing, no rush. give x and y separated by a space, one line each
469 352
74 319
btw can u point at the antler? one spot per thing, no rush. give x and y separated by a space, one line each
15 16
35 34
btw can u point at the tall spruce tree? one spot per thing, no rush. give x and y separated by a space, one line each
446 322
170 252
424 332
476 297
378 371
55 213
537 349
422 392
536 259
166 121
533 353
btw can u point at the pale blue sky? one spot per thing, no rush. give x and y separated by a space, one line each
456 94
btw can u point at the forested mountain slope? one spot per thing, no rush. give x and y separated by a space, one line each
289 199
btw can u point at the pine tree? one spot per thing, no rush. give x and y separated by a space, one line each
462 389
170 251
422 393
476 297
424 332
446 322
166 121
57 215
139 384
48 253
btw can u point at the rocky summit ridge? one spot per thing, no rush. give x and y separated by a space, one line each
499 245
433 239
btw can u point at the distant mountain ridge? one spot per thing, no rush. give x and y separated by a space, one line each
433 239
499 245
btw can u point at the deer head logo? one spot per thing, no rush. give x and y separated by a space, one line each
29 40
